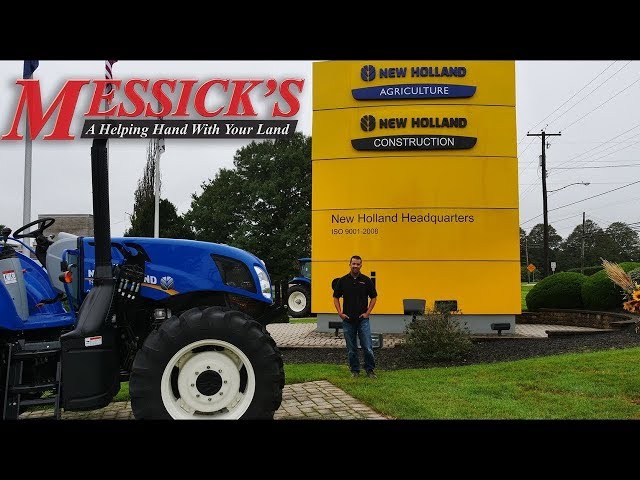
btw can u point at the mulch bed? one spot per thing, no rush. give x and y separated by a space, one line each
483 351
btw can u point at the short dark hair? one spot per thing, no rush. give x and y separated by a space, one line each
357 257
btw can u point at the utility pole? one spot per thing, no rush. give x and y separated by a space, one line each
526 252
582 256
543 164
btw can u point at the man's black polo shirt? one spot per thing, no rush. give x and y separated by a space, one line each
355 293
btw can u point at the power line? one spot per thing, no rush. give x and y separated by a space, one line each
591 209
566 101
565 112
562 183
605 142
607 154
603 103
599 166
583 200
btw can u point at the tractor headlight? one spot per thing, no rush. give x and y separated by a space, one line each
265 284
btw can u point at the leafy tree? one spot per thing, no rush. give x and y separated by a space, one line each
535 240
263 205
171 224
216 213
595 246
523 247
143 217
625 243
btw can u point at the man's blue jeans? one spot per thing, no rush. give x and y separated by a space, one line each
362 331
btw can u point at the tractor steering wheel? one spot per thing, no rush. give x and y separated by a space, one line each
43 223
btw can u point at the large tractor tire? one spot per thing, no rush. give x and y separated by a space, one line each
211 363
299 301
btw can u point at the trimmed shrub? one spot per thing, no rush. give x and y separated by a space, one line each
588 271
561 290
436 336
600 293
635 275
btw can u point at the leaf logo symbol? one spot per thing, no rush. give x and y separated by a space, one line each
166 283
368 123
368 73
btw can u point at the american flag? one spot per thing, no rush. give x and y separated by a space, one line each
29 67
108 73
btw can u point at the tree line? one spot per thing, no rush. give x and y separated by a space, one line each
583 247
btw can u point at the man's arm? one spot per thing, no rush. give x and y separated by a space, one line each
373 295
372 303
336 303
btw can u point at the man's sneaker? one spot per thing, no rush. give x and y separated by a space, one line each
372 374
355 374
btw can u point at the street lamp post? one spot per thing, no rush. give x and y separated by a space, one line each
576 183
546 243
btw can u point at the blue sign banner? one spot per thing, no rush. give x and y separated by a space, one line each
414 91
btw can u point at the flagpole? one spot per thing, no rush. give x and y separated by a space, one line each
156 188
27 73
108 75
26 209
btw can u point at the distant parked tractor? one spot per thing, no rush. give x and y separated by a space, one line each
299 292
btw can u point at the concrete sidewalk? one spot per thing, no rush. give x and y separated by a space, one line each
304 335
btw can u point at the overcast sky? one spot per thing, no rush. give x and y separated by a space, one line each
593 104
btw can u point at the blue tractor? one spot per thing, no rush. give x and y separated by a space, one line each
299 291
182 321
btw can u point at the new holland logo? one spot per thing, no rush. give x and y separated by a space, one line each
409 91
166 283
368 73
410 141
368 123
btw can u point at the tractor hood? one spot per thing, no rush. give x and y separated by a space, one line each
176 266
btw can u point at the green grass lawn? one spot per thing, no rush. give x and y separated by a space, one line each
596 385
303 320
524 289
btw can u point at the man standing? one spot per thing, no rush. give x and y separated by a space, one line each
358 299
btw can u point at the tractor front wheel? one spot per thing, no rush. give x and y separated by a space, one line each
207 364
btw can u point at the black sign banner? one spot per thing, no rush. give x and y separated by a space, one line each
414 142
161 128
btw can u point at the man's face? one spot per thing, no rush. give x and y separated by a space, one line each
355 266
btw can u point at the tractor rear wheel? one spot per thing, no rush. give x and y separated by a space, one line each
211 363
299 301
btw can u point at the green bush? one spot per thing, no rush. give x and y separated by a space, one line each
600 293
436 336
635 275
561 290
588 271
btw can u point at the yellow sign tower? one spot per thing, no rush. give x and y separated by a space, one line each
415 170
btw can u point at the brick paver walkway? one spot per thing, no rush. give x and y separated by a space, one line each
318 400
